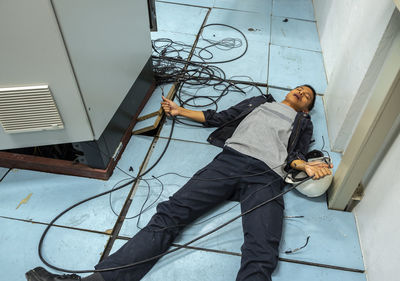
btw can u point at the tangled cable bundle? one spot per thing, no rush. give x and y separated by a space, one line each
170 65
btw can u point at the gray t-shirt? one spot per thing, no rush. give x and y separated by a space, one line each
264 134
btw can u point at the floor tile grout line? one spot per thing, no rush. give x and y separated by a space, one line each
292 18
207 7
121 218
183 140
189 58
125 208
184 4
236 10
341 268
272 14
270 36
320 52
193 248
289 89
206 143
176 32
105 233
259 84
56 225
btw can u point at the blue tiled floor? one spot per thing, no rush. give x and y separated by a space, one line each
282 54
298 9
318 221
290 67
188 164
256 27
175 36
3 172
248 5
201 265
70 249
173 17
295 33
201 3
50 194
56 193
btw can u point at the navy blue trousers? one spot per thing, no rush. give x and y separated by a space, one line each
262 227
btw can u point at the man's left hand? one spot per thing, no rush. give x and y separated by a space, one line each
317 169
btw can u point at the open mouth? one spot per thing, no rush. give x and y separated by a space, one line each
297 96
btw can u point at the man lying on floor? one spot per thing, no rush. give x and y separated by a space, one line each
261 139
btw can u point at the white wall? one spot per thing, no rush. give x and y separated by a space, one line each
378 221
355 36
351 33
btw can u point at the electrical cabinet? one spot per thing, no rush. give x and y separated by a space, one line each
66 66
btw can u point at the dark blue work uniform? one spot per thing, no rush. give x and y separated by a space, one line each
262 227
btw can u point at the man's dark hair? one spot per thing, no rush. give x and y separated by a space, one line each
311 106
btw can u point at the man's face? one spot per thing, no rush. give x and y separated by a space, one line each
300 98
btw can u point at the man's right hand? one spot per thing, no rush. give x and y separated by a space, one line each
170 108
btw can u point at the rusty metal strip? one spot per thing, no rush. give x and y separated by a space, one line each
159 114
175 86
280 259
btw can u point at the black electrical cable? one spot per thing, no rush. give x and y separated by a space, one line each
142 209
191 241
195 73
116 184
323 148
144 203
178 247
298 249
110 198
148 207
91 198
200 72
162 187
221 213
130 265
223 42
193 178
221 178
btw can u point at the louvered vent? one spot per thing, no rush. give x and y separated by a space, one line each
28 109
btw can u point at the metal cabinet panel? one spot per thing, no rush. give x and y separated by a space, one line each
32 52
109 44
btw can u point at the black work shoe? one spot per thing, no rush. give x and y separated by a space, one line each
41 274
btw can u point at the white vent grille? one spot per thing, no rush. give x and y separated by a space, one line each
28 109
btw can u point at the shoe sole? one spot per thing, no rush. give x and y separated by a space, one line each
30 276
